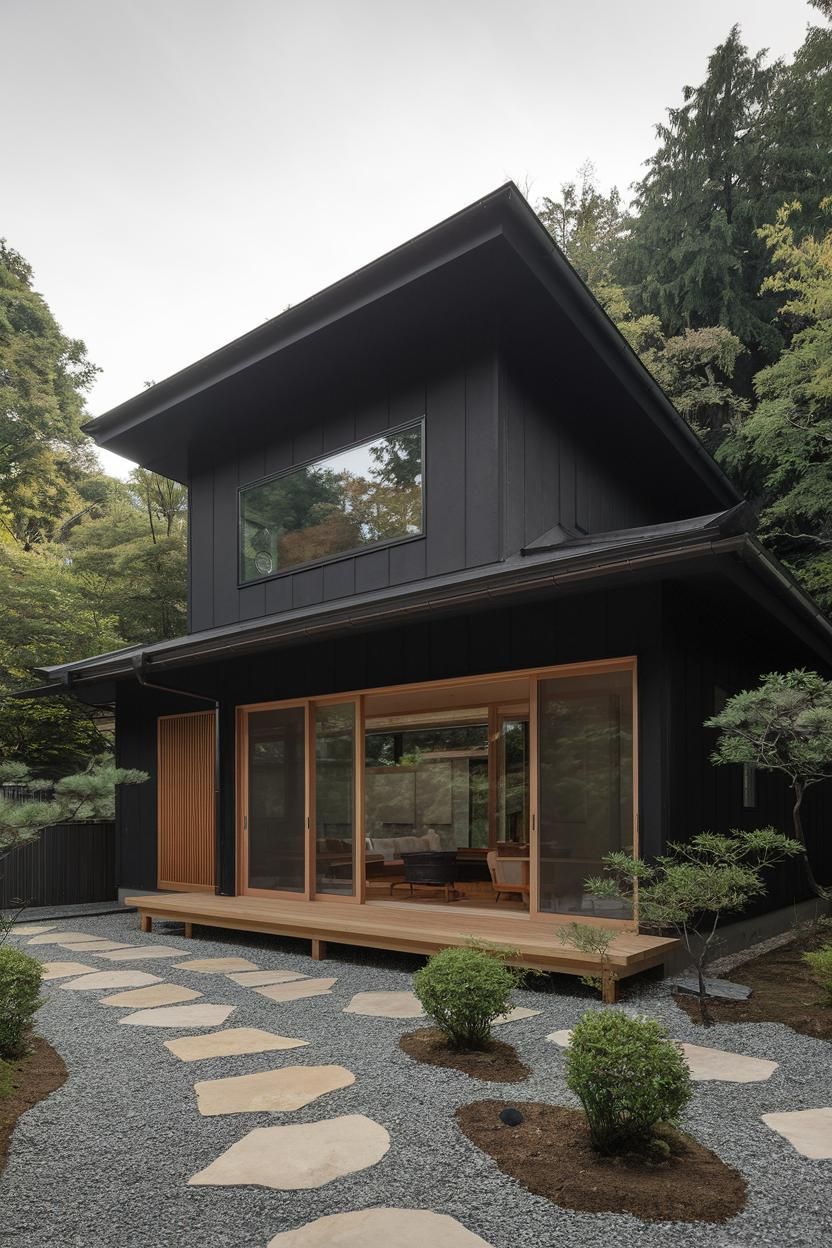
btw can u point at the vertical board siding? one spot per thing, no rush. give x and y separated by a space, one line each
69 864
185 799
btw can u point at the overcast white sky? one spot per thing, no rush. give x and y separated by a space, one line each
178 171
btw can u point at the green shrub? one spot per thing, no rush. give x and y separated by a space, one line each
628 1075
19 998
463 991
820 967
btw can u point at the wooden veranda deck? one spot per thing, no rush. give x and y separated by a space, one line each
409 929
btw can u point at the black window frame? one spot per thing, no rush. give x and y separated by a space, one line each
341 554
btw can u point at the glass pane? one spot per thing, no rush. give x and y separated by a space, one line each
276 799
586 786
426 789
334 797
369 493
513 782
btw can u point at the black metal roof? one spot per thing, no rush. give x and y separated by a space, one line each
669 547
482 247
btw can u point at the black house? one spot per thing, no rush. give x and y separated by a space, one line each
463 587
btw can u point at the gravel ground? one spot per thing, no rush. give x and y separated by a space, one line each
105 1160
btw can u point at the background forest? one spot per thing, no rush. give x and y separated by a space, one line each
716 266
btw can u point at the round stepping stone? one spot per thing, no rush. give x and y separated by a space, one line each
63 970
257 979
288 1088
232 1042
97 980
142 953
31 929
180 1016
705 1063
809 1131
386 1005
60 938
156 994
515 1015
381 1228
297 991
93 946
306 1155
216 966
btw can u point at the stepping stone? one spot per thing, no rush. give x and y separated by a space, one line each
720 988
232 1042
216 966
289 1088
93 946
296 991
380 1228
142 953
809 1131
256 979
97 980
705 1063
61 938
386 1005
306 1155
515 1015
156 994
63 970
31 929
181 1016
560 1037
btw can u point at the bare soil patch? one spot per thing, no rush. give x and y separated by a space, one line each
550 1154
32 1078
498 1063
782 991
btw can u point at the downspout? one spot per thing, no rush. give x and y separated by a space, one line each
139 664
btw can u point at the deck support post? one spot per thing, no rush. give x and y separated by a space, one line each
609 986
189 930
145 923
318 950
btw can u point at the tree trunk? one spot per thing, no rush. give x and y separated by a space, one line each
799 789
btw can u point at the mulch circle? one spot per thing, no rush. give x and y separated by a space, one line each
550 1154
33 1077
498 1063
782 991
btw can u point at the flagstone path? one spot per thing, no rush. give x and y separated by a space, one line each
288 1088
62 970
232 1042
157 994
381 1228
216 966
180 1016
97 980
258 979
386 1005
809 1131
300 1156
297 991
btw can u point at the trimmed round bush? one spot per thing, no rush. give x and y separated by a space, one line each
629 1076
20 978
463 991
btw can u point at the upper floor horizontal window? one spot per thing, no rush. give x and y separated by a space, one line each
363 496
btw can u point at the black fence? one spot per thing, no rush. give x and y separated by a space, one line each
68 864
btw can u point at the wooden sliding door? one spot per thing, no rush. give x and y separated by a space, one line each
186 811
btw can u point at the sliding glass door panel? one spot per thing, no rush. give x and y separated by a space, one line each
585 732
335 732
276 816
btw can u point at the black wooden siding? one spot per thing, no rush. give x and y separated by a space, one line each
70 863
462 498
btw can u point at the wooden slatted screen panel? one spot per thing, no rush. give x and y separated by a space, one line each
185 802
